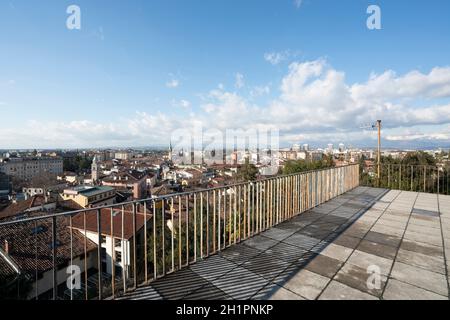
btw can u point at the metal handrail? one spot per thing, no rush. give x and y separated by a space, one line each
74 212
180 228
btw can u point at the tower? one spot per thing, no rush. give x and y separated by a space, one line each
94 170
170 150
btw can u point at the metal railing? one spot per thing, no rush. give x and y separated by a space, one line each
420 178
123 246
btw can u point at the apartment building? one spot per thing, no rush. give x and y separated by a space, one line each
29 168
90 196
130 180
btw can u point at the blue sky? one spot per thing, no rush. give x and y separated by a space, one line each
137 70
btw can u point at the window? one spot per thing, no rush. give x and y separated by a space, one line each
118 257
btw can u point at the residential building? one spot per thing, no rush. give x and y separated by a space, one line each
122 155
18 255
117 243
29 168
132 180
90 196
5 186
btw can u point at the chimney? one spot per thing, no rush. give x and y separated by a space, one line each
6 246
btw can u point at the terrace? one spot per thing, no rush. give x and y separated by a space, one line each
314 235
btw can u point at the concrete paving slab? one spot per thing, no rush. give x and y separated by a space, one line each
397 290
260 243
306 284
419 277
334 251
432 263
365 260
325 266
240 283
377 249
361 279
339 291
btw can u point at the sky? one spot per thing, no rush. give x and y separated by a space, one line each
137 71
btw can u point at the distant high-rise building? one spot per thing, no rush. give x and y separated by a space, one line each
296 147
341 147
330 148
306 147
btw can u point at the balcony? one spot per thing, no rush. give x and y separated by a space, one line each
314 235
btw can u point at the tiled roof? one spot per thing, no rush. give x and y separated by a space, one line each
30 245
21 206
105 218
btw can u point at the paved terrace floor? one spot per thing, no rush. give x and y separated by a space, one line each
325 254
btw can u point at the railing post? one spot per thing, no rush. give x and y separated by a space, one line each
424 178
99 252
438 182
389 176
54 252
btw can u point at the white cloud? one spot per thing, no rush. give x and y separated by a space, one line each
258 91
172 83
276 57
239 82
315 102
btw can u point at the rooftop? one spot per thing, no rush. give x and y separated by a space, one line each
88 190
330 252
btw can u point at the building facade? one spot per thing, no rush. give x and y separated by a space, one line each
27 169
89 196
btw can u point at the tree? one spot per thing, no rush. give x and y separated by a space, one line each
248 171
297 166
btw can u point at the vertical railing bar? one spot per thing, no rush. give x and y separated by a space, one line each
155 265
99 252
85 257
163 226
145 244
207 223
113 250
201 225
123 249
244 213
218 222
187 230
71 253
214 221
195 227
229 216
257 206
179 233
134 247
235 209
172 239
54 253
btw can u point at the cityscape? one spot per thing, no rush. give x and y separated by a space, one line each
148 161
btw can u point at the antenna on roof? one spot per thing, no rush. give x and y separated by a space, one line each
374 126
